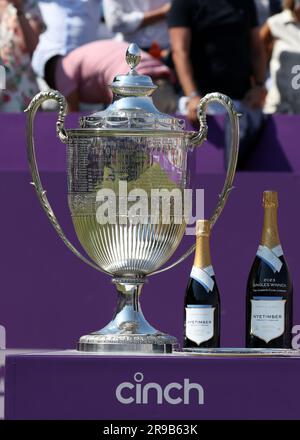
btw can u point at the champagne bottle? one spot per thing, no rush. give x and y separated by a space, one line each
202 299
269 291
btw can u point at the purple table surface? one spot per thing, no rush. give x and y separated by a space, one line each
62 386
49 298
276 150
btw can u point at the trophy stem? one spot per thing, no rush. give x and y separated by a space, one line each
129 331
129 316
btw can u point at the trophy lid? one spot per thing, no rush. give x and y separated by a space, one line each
132 107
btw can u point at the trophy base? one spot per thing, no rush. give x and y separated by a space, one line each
96 343
129 331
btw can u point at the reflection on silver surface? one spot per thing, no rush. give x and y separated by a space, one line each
241 352
143 163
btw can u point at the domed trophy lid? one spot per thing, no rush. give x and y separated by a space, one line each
132 107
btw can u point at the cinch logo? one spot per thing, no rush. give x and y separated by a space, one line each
174 393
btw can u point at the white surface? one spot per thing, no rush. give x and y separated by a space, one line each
267 318
124 18
199 325
209 352
66 29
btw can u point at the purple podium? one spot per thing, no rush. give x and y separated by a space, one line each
68 385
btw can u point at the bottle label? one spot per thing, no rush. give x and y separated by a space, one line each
199 324
271 257
267 317
204 277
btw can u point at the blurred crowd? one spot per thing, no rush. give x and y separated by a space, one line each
246 49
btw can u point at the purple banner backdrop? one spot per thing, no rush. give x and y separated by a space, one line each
277 149
100 387
49 298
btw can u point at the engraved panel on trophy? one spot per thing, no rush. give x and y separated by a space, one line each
143 163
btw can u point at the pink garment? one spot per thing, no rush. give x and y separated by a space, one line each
92 67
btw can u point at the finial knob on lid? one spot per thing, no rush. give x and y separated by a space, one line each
133 56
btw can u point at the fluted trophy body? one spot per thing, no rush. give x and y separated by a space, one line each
122 247
127 172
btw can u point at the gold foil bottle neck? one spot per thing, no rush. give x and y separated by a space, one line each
202 252
270 199
270 234
203 228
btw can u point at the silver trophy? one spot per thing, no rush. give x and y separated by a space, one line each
131 143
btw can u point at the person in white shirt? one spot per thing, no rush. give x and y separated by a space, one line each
281 36
138 21
266 8
70 24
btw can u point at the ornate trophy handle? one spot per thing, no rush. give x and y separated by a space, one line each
234 150
61 132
